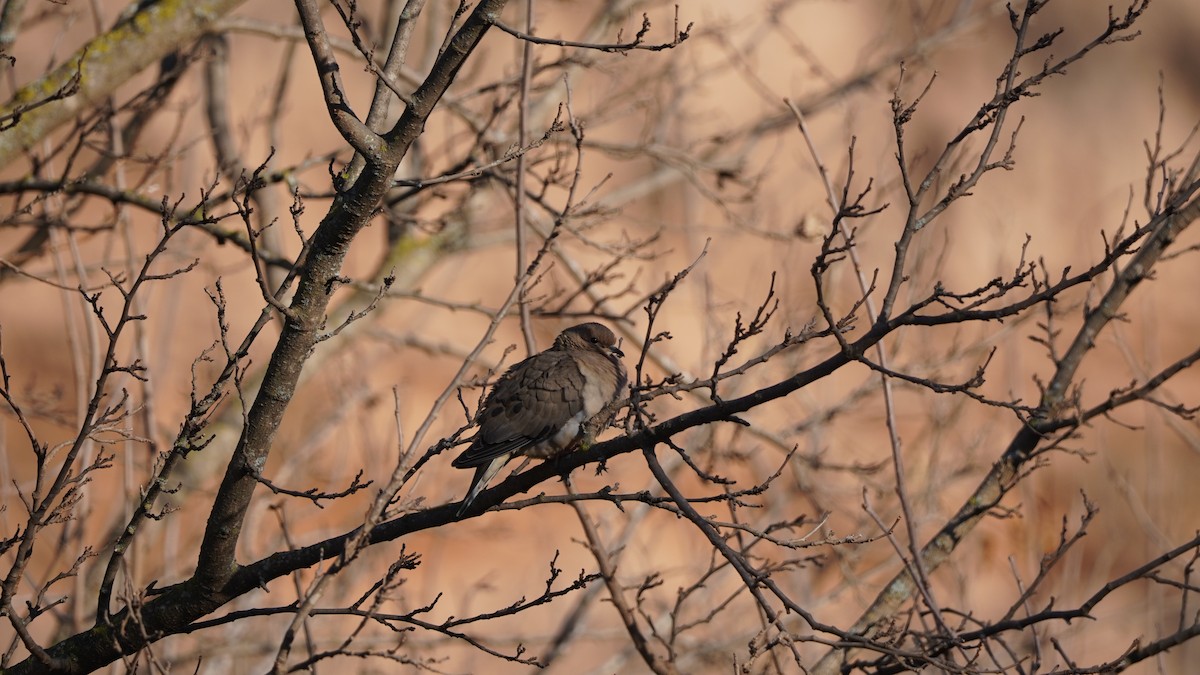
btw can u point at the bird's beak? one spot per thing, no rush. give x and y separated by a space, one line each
617 350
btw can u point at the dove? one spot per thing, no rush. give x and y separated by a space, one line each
539 406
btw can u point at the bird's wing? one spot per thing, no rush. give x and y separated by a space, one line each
530 403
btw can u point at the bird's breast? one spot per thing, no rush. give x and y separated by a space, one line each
601 378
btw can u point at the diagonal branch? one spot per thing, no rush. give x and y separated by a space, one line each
1055 404
104 64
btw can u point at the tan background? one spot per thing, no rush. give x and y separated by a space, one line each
1080 161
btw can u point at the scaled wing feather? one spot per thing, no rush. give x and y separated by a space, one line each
529 404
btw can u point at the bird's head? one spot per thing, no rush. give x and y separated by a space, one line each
590 337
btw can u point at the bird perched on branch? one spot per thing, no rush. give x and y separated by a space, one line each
538 408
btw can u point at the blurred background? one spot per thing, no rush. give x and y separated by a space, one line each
685 150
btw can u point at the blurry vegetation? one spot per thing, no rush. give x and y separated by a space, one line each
905 293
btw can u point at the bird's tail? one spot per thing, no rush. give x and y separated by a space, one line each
483 474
